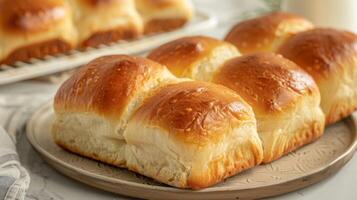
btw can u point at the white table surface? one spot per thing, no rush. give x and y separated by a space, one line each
46 183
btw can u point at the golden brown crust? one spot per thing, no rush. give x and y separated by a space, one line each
258 34
160 4
19 16
147 6
196 112
320 51
181 53
107 37
268 82
96 3
164 15
155 26
105 85
37 50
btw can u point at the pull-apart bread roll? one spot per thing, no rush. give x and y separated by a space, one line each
95 104
266 33
164 15
284 97
285 100
196 57
130 111
330 57
106 21
34 29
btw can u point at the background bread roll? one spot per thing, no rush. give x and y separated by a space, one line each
129 111
266 33
196 57
330 56
34 29
103 22
164 15
285 100
37 28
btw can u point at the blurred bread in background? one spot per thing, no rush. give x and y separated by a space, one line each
103 22
164 15
37 28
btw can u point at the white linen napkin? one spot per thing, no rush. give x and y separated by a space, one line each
14 112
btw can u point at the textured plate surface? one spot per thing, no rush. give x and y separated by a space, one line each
58 63
299 169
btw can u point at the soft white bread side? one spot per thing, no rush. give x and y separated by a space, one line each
266 33
129 111
103 22
34 29
91 135
330 57
284 98
164 15
196 57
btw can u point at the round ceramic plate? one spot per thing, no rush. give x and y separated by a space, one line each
299 169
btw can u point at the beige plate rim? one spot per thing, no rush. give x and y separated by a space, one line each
352 120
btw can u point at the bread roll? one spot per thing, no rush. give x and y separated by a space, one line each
266 33
129 111
330 57
164 15
34 29
112 86
196 57
103 22
285 100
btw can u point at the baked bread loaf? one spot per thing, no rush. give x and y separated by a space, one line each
195 57
266 33
104 22
34 29
164 15
285 99
129 111
37 28
330 57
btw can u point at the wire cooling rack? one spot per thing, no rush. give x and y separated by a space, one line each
63 62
